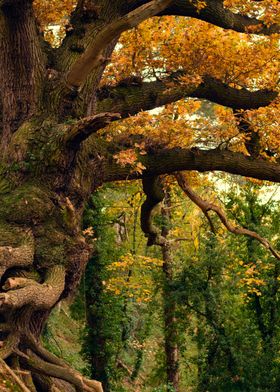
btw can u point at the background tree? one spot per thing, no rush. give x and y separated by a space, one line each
53 102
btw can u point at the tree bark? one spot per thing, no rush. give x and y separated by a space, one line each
51 160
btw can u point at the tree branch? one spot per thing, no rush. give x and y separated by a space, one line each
132 98
164 161
215 13
92 57
206 206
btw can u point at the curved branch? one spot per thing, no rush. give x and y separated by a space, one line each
215 13
132 98
206 206
92 57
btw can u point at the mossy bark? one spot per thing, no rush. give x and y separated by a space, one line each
42 248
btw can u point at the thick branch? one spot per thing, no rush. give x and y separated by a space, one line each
92 57
131 99
215 13
163 161
206 206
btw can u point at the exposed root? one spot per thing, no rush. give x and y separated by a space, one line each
51 359
44 365
9 345
13 375
25 303
37 365
46 355
65 373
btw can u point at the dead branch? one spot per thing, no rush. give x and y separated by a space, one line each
206 206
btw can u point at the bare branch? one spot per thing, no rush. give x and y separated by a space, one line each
206 206
92 57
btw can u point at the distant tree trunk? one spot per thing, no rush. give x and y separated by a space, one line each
169 310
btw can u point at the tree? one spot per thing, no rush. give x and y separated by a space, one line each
53 102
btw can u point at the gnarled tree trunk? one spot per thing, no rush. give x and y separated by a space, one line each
50 161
